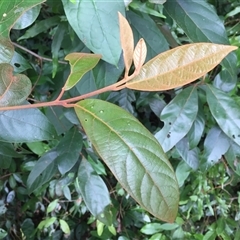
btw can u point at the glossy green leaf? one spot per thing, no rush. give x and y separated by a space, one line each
198 19
19 63
106 74
13 89
10 11
27 125
182 172
40 27
197 129
69 150
191 157
144 27
8 150
179 66
96 24
57 118
128 148
27 18
6 50
56 46
178 117
43 171
232 157
226 112
93 190
216 144
80 63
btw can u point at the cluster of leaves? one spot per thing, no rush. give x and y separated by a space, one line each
53 183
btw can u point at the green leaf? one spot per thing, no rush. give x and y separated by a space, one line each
19 63
10 11
198 19
13 89
64 226
29 125
69 150
216 144
191 157
178 117
182 172
80 63
152 228
3 233
144 27
56 46
146 7
52 205
27 18
39 27
6 50
106 74
196 131
93 190
7 149
128 148
232 157
226 112
96 24
43 171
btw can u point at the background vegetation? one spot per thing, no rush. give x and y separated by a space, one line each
197 125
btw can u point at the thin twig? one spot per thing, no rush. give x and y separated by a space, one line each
36 55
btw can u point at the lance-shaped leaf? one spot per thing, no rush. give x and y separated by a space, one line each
10 11
198 19
178 117
226 112
133 155
80 63
43 171
127 42
179 66
139 55
13 89
94 191
27 125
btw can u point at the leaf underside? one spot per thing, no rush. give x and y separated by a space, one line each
179 66
133 155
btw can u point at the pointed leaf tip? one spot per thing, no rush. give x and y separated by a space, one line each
139 55
141 166
80 63
179 66
127 41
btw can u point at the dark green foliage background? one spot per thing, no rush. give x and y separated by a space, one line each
198 126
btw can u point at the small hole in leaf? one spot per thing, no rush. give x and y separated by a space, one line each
170 123
17 65
233 136
169 135
85 119
238 135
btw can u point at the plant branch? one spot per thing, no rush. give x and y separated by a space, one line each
70 102
36 55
